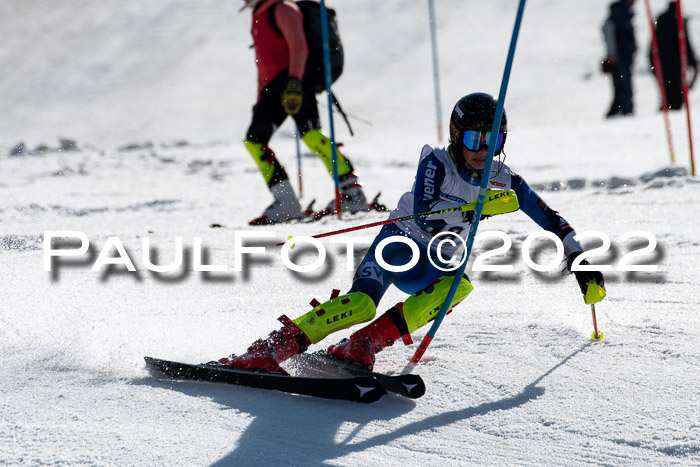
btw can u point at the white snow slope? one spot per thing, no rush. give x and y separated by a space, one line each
157 97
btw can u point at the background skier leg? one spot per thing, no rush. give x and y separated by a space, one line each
352 197
268 115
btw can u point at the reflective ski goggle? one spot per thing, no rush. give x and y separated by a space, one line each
474 139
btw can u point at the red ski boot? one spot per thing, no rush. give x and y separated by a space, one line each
267 354
373 338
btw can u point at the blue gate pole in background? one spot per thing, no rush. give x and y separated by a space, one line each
327 70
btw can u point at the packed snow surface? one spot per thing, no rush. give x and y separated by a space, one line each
130 117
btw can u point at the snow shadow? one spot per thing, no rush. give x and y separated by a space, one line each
529 393
301 429
667 176
311 431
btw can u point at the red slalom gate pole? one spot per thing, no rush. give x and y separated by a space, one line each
684 78
656 59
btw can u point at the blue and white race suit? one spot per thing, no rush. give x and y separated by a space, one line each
439 185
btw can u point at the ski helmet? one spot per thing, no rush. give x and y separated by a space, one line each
474 112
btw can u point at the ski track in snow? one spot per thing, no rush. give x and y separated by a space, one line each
512 376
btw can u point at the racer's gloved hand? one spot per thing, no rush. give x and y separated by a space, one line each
468 216
584 277
292 96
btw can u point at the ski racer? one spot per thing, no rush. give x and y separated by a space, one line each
286 87
446 177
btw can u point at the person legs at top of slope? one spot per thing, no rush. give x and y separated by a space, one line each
618 32
446 178
286 87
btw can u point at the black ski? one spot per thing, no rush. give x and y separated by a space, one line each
364 389
410 385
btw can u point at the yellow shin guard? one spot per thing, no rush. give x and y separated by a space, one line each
336 314
321 146
262 159
425 304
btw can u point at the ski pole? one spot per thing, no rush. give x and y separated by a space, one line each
342 113
596 336
594 294
499 202
388 221
447 304
301 184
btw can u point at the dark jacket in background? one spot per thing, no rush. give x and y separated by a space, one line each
667 37
618 32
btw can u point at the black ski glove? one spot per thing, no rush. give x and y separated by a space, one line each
292 96
584 277
468 216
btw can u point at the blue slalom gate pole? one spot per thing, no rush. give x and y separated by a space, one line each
327 70
480 198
